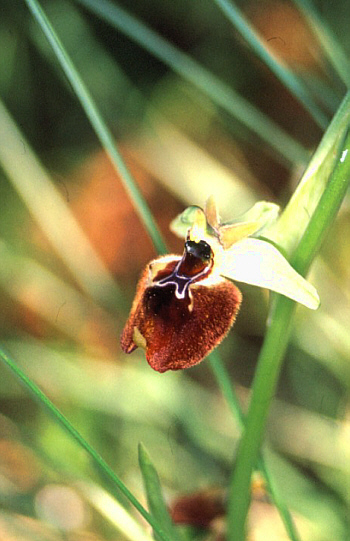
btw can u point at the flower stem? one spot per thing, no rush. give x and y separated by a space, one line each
275 344
225 385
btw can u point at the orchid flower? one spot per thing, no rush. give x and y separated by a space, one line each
185 305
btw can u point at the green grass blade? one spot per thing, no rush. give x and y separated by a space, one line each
278 501
330 44
225 385
98 124
221 94
275 344
155 498
282 72
107 473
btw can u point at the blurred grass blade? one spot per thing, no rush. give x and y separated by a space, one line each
276 341
330 44
224 382
34 185
288 230
221 94
276 65
227 389
113 511
155 498
98 124
45 294
107 473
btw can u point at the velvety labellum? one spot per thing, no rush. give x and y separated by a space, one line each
176 316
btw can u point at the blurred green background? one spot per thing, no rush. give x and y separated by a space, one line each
72 247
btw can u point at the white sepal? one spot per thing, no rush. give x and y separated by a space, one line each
259 263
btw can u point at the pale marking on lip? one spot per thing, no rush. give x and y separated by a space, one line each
181 282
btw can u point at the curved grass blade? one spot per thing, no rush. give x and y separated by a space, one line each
49 293
113 511
105 470
330 44
275 344
282 72
155 498
98 124
221 94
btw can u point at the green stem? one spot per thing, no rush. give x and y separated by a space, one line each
275 344
102 132
265 380
106 471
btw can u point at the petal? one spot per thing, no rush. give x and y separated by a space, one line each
230 234
211 212
259 263
199 508
257 218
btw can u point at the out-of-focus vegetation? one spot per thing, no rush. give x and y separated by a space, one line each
72 247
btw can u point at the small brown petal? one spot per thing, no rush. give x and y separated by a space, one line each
180 332
199 509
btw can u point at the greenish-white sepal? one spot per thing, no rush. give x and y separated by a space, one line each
263 212
259 263
181 224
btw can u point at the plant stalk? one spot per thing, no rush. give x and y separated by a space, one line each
275 344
